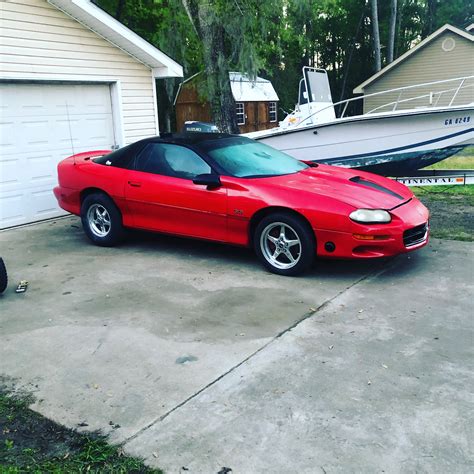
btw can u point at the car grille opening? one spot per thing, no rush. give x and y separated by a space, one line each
416 235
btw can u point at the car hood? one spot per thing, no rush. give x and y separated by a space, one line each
357 188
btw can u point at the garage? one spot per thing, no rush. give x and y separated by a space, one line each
72 78
42 124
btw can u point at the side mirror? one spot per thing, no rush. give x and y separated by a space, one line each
210 180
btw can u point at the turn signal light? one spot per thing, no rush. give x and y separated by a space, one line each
370 237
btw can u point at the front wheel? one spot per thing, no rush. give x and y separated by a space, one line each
285 244
101 220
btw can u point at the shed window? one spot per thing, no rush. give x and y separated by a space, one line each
272 111
240 112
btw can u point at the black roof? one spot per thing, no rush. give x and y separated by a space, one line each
187 138
122 157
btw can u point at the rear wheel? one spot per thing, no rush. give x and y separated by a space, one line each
101 220
285 244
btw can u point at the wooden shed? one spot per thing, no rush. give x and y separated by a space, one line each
256 102
448 53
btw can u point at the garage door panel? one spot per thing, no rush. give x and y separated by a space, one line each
56 133
35 170
9 176
29 206
37 167
12 209
44 205
47 99
41 124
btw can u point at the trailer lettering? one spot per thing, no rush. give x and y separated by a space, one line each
431 181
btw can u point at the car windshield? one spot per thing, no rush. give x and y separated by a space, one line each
245 158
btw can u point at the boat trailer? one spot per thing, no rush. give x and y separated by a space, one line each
438 178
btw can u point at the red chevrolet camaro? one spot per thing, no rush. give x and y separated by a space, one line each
232 189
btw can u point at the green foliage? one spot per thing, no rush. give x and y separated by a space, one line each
164 24
276 38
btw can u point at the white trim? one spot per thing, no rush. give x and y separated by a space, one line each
470 27
117 113
155 102
104 25
240 114
33 77
275 111
448 44
360 88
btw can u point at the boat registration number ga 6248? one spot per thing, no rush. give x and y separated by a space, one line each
455 121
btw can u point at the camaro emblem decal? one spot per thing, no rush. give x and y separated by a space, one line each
238 212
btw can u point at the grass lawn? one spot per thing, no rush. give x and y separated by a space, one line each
462 160
451 211
31 443
451 207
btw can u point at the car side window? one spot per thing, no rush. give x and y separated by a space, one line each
171 160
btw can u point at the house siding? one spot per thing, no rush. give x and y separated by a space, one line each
431 63
38 41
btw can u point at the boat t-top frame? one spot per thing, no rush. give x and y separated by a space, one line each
314 91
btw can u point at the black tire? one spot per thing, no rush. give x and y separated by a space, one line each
101 220
3 276
296 229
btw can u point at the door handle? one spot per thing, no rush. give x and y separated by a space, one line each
134 184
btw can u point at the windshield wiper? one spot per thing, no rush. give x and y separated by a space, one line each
264 175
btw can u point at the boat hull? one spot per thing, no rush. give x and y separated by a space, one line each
403 164
392 144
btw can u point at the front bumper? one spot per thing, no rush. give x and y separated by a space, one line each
409 230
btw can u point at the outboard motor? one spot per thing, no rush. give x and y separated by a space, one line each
199 127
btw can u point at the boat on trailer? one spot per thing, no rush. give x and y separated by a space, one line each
385 140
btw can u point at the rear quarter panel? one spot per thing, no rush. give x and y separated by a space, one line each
78 175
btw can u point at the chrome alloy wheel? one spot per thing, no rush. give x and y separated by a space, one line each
98 219
280 245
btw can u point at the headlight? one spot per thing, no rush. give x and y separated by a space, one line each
371 216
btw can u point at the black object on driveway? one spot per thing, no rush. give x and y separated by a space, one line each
3 276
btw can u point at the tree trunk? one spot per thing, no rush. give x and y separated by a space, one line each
398 28
392 30
347 65
211 33
430 20
120 8
376 35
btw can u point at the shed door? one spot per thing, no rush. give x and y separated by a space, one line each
40 124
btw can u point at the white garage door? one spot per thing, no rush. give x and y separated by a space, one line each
40 124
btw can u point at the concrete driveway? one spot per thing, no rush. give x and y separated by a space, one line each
193 356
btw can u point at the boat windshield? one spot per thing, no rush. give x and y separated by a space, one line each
303 97
245 158
318 84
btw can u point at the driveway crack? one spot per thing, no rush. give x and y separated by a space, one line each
304 317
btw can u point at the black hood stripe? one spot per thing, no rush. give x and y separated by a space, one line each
370 184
